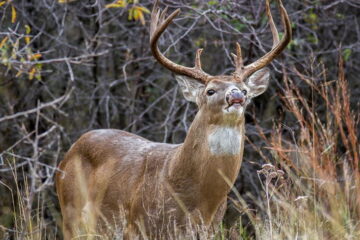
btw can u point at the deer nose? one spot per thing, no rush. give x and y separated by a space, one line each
235 96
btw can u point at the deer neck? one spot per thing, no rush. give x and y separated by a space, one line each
211 152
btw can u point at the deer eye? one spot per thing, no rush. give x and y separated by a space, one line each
244 92
210 92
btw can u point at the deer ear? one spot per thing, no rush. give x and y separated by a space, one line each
258 82
189 87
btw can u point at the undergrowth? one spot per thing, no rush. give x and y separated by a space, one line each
311 183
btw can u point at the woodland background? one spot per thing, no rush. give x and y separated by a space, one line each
71 66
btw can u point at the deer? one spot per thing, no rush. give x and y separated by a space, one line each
156 187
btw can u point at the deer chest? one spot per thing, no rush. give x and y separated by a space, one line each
225 141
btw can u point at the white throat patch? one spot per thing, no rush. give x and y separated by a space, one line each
224 141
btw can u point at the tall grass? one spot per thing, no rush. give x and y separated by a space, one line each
311 183
28 208
312 189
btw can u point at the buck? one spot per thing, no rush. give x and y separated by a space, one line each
158 187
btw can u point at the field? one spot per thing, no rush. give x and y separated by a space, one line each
68 67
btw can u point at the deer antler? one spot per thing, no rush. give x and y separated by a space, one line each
157 26
159 23
242 72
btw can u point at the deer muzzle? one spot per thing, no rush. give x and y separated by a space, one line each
235 96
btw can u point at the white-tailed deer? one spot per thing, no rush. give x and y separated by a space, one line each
158 186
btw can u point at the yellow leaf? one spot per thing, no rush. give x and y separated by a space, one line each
131 13
32 73
13 14
137 13
2 43
143 9
117 4
18 73
2 3
141 18
113 5
35 56
27 29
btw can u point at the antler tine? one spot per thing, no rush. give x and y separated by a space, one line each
239 63
158 22
278 45
154 21
273 28
155 13
163 14
157 26
197 59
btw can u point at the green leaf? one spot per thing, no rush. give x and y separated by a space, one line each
213 2
346 54
312 39
238 25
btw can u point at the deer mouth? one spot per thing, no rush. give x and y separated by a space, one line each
235 102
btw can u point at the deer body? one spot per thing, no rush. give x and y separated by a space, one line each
147 179
110 175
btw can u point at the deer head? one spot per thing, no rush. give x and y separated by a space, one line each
221 95
221 98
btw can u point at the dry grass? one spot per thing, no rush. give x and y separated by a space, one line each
312 188
311 184
28 208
